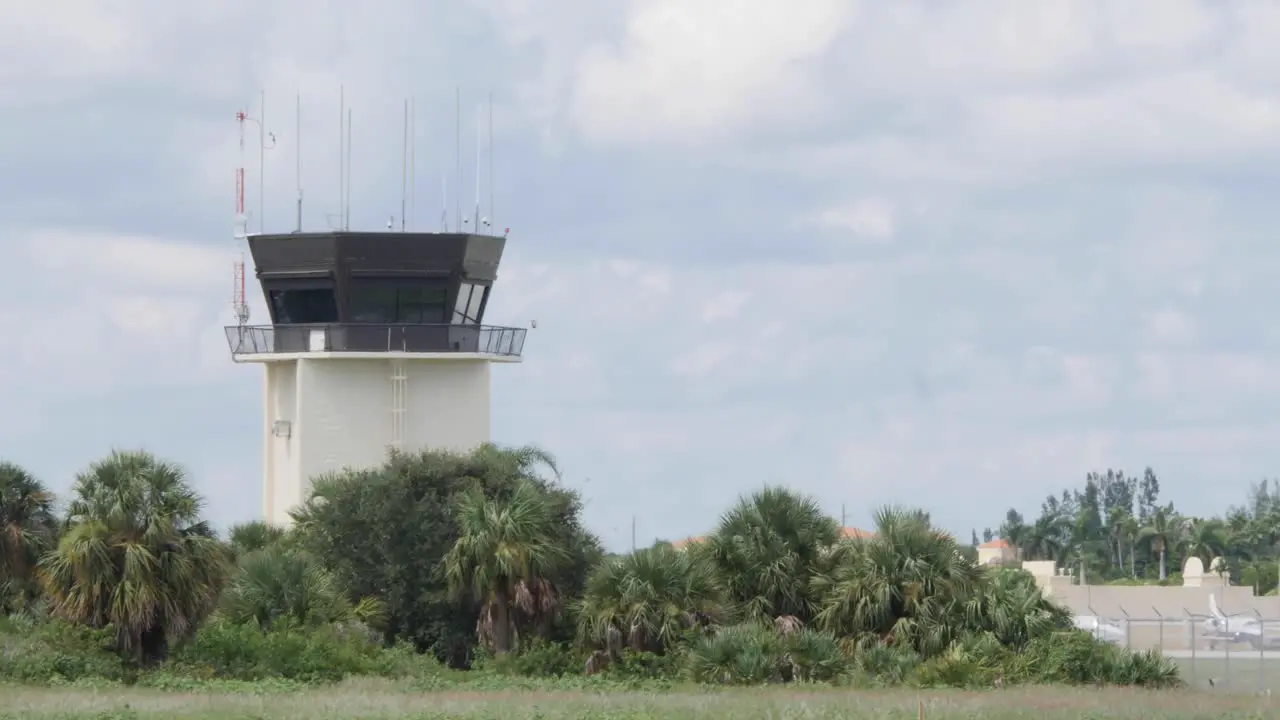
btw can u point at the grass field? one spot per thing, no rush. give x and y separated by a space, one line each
1239 674
370 700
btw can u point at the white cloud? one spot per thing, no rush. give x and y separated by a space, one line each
1171 326
691 72
105 312
871 218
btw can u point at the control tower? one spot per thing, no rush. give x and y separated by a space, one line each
376 341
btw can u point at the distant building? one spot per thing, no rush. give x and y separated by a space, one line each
997 552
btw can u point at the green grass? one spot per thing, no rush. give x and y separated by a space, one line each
1240 674
368 699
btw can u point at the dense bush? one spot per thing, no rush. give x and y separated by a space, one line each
51 651
478 560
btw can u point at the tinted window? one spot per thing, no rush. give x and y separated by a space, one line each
391 304
420 305
466 311
372 303
290 307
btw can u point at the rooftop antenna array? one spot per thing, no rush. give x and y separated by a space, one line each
341 221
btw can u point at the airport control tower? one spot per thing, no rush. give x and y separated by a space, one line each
376 341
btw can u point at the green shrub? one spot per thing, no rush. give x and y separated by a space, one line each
886 664
222 649
747 654
537 659
638 666
1077 658
51 652
815 656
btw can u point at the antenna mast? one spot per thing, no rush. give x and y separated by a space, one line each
413 168
492 218
238 305
342 155
476 227
346 210
298 159
457 146
404 168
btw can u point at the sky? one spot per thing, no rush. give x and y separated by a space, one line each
944 254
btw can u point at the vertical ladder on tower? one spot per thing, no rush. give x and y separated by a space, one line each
399 403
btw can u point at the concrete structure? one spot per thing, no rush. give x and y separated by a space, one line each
1154 616
376 343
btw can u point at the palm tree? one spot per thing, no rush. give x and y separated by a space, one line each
28 529
1162 533
1131 530
907 584
136 555
252 536
767 549
1205 539
500 545
1015 532
648 598
274 583
1044 539
1013 608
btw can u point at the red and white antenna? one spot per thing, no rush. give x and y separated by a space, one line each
238 305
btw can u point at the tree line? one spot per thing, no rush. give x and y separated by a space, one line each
1115 528
482 559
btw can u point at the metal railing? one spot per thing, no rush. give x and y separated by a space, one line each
1240 653
354 337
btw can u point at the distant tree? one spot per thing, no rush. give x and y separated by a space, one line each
767 548
1164 531
28 529
504 546
136 555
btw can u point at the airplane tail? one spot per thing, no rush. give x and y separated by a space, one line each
1213 608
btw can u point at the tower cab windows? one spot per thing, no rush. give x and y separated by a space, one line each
375 302
303 306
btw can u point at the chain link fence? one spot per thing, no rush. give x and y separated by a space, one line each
1234 653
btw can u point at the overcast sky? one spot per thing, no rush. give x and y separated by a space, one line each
949 254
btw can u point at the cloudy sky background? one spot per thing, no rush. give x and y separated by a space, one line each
950 254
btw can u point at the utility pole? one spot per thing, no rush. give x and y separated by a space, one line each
633 533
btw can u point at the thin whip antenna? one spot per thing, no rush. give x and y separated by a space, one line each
262 163
457 145
413 168
342 156
492 217
297 133
346 225
444 202
476 227
404 167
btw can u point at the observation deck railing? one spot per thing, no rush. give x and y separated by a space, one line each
374 338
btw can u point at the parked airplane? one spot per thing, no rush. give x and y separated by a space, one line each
1235 628
1100 629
